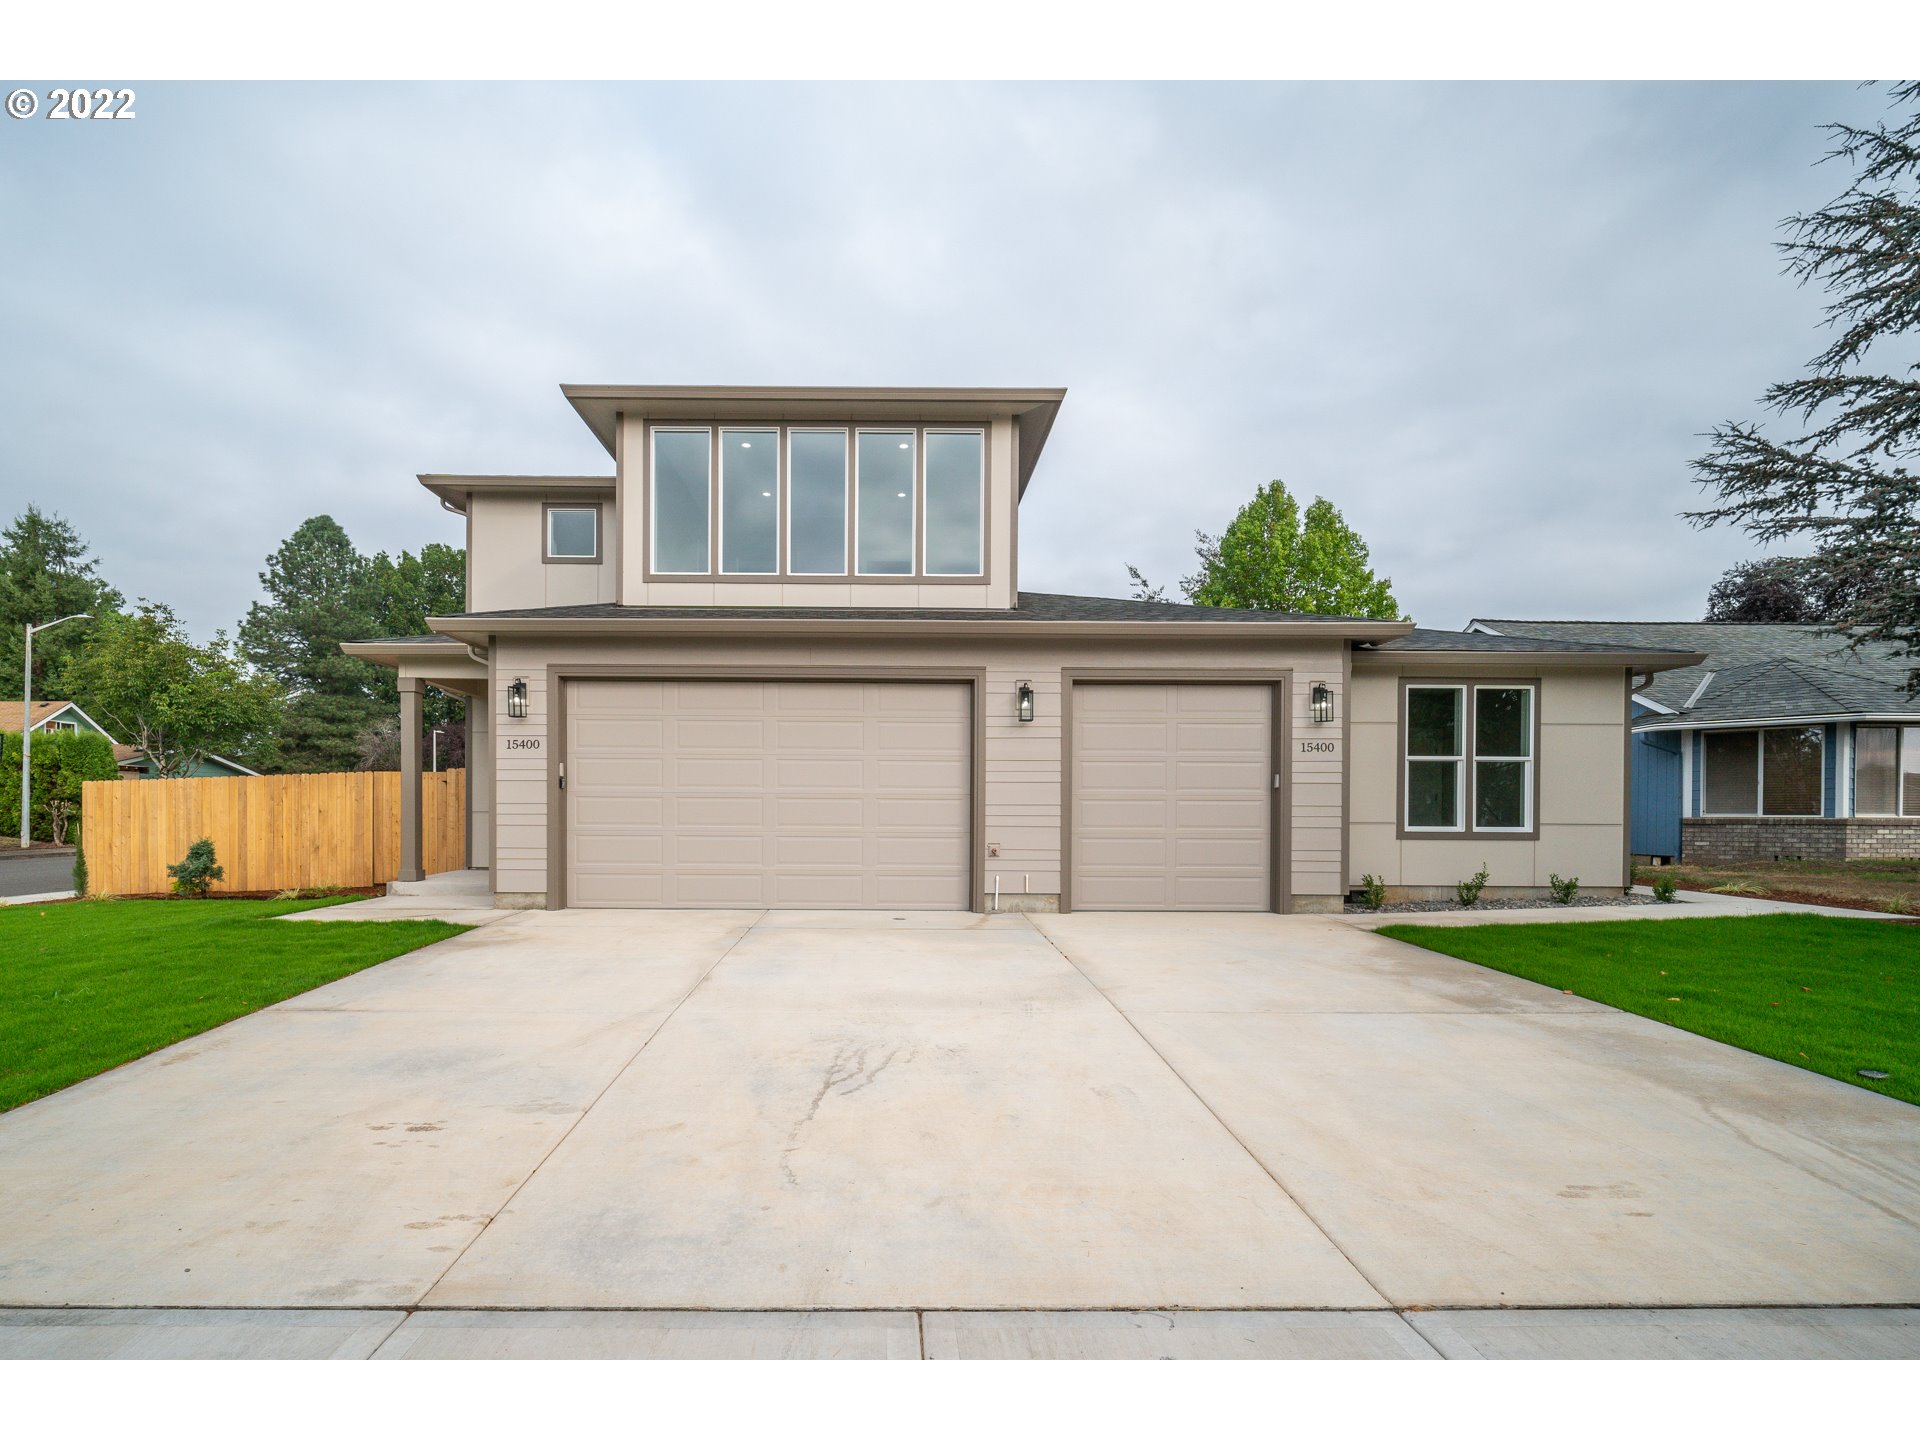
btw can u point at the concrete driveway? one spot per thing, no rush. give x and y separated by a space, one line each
811 1112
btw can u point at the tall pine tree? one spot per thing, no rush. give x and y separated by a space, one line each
320 591
1846 480
45 573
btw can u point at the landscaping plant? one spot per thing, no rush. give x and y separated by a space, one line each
1563 890
1373 891
1666 889
79 871
1467 892
194 875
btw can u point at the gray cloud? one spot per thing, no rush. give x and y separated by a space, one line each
1488 322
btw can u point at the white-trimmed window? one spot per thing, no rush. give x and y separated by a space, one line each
1763 772
573 533
1435 727
816 502
681 500
883 486
749 502
1502 757
953 538
1886 770
1467 762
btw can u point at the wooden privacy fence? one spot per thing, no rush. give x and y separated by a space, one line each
270 832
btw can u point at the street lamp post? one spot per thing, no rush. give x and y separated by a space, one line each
26 728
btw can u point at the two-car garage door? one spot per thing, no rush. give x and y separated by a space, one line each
796 794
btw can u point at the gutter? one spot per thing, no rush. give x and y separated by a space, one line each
480 628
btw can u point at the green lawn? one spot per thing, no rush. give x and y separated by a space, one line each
90 985
1832 996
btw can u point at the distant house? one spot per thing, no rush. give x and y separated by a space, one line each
1784 743
58 717
50 717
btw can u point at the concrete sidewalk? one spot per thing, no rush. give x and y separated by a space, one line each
1689 905
1891 1334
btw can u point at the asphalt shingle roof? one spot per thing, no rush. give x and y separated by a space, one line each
1759 672
1033 606
1458 640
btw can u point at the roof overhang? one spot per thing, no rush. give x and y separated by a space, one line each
453 490
479 630
1769 722
1031 410
1646 662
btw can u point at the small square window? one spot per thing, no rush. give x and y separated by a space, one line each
573 532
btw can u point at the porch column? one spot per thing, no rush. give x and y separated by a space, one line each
410 691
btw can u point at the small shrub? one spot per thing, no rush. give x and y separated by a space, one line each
1373 891
80 871
1563 890
194 876
1898 905
1467 892
1666 889
1737 887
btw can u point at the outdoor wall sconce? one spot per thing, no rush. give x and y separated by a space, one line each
1026 702
1320 703
517 699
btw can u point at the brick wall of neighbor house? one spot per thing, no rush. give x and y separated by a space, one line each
1023 761
1732 840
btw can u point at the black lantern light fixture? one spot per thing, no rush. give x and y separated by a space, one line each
517 699
1320 702
1026 702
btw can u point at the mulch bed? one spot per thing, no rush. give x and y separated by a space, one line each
1434 907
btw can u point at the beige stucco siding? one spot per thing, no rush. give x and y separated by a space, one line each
1022 762
507 564
1582 789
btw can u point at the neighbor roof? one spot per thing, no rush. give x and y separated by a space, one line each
1470 643
1749 672
43 711
1032 410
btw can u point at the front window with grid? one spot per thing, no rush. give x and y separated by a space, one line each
1468 758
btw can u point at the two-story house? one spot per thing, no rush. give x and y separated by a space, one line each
781 657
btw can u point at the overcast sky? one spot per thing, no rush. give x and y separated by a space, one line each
1488 322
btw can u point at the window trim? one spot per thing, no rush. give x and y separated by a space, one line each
1460 759
1760 776
787 572
652 569
980 558
913 571
1467 781
547 557
717 483
851 426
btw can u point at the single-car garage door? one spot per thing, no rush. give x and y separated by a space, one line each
1172 797
803 794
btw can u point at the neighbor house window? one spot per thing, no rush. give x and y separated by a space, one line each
1763 772
71 727
1886 770
1469 756
682 484
954 538
817 502
573 532
749 502
883 502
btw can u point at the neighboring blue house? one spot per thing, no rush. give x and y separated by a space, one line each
1785 744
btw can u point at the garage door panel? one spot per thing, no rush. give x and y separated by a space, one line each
1172 797
838 794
